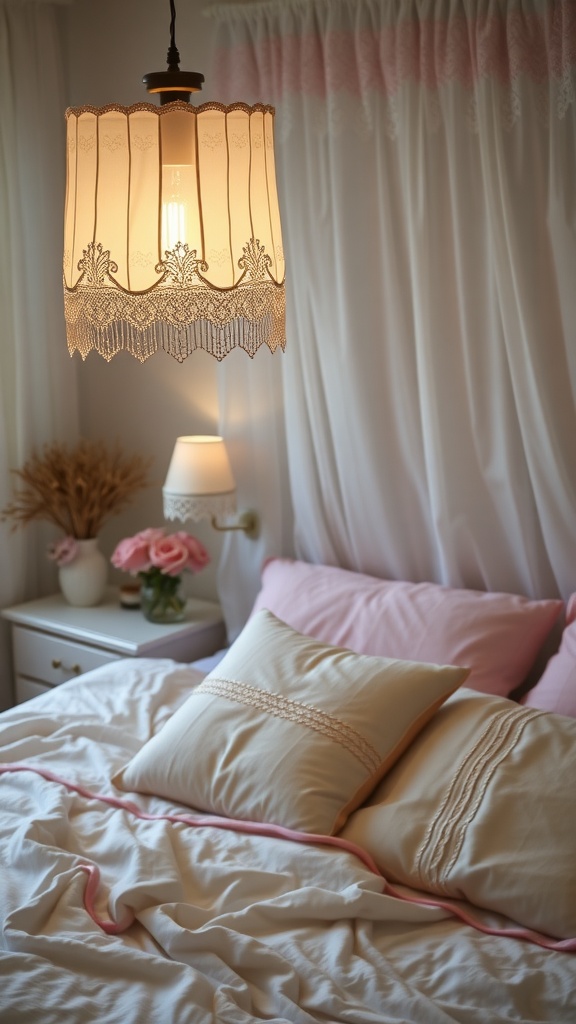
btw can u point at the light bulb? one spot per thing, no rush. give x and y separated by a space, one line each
176 192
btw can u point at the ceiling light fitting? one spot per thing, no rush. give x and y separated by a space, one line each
173 84
172 225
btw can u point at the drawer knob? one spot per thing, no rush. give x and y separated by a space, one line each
57 663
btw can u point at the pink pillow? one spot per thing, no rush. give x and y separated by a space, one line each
556 689
497 636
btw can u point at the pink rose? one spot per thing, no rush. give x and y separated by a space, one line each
169 554
198 557
152 549
63 551
151 534
133 553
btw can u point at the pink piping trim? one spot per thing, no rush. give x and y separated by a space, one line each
278 831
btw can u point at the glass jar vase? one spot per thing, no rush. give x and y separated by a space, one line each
161 600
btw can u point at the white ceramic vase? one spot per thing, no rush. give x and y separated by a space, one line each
83 581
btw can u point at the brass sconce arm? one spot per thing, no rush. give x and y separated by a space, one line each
247 521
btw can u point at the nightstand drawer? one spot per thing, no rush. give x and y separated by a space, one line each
53 641
26 689
52 660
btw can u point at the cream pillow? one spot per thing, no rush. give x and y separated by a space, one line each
482 807
288 730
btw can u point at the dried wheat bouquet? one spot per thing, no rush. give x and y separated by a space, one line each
77 488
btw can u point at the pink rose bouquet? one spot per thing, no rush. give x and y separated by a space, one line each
159 559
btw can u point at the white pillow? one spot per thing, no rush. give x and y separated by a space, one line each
288 730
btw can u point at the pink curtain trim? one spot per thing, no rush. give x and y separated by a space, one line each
278 832
432 53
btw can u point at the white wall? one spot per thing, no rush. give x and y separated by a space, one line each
111 44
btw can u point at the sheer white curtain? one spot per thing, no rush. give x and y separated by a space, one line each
427 160
37 377
252 422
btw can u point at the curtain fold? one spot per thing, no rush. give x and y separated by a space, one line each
37 377
427 158
252 422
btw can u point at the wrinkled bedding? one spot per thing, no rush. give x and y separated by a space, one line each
229 927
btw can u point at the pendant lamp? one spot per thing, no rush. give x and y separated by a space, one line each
172 235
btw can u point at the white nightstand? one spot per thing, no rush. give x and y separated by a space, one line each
53 641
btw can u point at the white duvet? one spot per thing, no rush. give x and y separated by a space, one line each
229 928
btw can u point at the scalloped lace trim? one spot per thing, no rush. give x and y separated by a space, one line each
183 507
168 108
181 312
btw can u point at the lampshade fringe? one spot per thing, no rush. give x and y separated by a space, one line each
178 341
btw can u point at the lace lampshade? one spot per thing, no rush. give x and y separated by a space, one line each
199 483
172 230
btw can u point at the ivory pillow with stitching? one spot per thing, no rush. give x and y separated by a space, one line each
496 635
482 807
288 730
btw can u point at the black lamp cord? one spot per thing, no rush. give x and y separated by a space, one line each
173 84
173 56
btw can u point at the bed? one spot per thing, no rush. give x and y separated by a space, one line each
353 814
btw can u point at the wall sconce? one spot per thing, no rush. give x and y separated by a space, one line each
200 485
172 233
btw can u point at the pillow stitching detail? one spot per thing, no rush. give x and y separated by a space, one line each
484 748
466 791
295 711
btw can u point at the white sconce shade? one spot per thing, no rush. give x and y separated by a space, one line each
199 483
172 234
